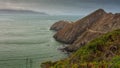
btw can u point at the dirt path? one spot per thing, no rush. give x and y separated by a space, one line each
93 31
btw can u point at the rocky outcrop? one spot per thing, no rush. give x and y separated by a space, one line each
88 28
69 34
59 25
107 23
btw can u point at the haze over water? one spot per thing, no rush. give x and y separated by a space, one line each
26 41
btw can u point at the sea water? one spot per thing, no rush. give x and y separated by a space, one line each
26 41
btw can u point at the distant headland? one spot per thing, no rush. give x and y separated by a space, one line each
14 11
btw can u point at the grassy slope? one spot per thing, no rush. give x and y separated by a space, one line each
101 52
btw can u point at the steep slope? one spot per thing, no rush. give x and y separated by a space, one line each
60 25
102 52
70 33
88 28
107 23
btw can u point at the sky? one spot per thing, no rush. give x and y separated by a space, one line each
62 7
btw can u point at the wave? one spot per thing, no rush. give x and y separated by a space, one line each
6 19
24 42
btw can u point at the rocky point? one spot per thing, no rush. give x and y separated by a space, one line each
82 31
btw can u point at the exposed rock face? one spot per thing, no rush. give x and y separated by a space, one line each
70 33
59 25
88 28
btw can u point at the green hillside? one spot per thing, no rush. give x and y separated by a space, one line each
102 52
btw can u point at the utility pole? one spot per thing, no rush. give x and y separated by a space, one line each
27 61
31 63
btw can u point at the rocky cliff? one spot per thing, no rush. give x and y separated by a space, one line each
59 25
79 33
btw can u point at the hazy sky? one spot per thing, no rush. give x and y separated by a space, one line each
71 7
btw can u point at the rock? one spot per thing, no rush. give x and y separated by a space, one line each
59 25
81 41
70 33
107 23
88 28
46 64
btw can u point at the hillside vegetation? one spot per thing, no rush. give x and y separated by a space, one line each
102 52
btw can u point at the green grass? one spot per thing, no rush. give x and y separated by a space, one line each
103 51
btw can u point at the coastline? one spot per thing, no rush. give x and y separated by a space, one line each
79 34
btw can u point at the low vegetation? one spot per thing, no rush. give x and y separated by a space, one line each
102 52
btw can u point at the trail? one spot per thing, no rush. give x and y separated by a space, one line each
93 31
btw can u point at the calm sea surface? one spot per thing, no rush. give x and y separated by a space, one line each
26 41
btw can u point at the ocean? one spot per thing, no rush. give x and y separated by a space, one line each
26 41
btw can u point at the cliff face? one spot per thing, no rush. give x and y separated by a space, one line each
70 33
88 28
59 25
